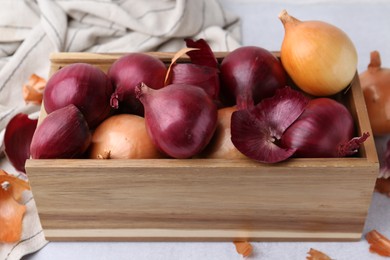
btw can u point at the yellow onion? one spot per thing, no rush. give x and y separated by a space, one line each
375 82
319 57
221 146
122 136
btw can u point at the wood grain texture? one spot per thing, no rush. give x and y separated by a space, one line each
205 199
192 235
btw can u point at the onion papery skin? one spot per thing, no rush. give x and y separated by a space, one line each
180 119
201 76
63 134
320 58
250 74
17 139
256 132
83 85
204 56
202 71
129 71
375 83
324 125
122 136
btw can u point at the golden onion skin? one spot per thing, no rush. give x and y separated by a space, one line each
122 136
319 57
375 83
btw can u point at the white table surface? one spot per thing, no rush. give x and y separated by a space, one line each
368 25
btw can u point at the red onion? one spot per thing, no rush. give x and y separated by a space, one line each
201 76
180 119
202 71
128 72
325 129
17 140
289 124
250 74
256 132
204 56
63 134
83 85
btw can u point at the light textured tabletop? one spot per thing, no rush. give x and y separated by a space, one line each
368 25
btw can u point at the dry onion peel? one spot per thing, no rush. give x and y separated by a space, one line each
204 56
244 248
382 185
319 57
317 255
11 211
378 243
33 90
202 71
257 132
175 57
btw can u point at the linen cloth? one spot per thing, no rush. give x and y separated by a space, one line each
31 30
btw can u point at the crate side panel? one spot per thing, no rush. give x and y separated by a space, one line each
357 107
305 199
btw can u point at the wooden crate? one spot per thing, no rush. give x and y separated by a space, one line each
300 199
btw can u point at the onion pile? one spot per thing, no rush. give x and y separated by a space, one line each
241 107
77 99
